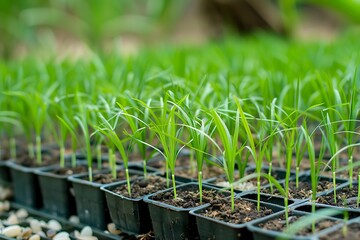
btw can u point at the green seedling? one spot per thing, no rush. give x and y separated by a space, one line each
230 144
198 130
109 131
164 125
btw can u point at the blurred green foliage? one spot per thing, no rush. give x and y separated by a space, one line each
34 23
92 21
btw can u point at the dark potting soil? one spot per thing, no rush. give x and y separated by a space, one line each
135 156
161 164
244 211
187 198
104 178
47 159
344 174
67 171
350 232
4 155
279 225
141 187
207 172
303 191
345 197
304 165
21 149
245 186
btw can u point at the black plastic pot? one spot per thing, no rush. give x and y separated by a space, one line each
264 234
25 185
210 228
307 207
5 176
307 178
171 222
158 162
189 179
268 198
90 201
351 202
131 215
139 167
336 232
57 197
251 169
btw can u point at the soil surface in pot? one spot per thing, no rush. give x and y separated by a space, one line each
48 158
244 211
141 186
345 197
105 178
161 164
304 165
245 186
303 191
21 149
67 171
350 232
188 198
208 172
342 174
279 224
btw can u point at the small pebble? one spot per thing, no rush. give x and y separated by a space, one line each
74 219
22 213
12 231
12 219
41 234
62 236
112 229
76 233
86 232
5 193
35 225
143 183
35 237
43 223
54 225
87 238
50 233
26 233
6 205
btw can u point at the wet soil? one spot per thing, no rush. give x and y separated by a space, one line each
188 198
350 232
208 172
343 174
161 164
248 185
141 187
244 211
21 149
304 165
67 171
48 158
279 224
4 155
303 191
104 178
345 197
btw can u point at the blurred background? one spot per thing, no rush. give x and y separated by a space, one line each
77 28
